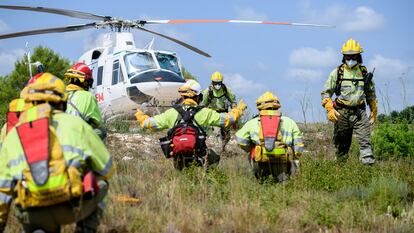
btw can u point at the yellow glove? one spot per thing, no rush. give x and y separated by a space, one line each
332 113
241 106
373 105
141 117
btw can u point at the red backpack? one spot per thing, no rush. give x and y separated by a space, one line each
186 138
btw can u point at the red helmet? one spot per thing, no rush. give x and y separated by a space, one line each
79 71
34 78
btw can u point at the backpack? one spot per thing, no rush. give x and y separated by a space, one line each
186 138
271 148
47 180
367 78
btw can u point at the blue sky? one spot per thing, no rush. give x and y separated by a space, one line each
293 62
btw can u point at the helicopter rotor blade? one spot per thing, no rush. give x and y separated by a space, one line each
48 30
70 13
180 21
199 51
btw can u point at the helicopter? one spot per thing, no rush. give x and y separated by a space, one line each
125 77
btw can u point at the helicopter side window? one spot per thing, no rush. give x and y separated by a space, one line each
168 62
138 62
115 72
99 79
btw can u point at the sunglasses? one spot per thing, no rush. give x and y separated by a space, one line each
217 83
351 57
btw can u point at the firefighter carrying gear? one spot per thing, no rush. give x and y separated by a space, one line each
351 47
353 88
220 98
203 118
43 154
274 141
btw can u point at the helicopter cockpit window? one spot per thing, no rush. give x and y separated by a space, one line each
138 62
168 62
115 72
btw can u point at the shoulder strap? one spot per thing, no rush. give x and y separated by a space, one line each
339 79
188 115
34 137
80 114
226 94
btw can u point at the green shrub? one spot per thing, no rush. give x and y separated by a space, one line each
391 141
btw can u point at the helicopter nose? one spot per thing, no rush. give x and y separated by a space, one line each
157 76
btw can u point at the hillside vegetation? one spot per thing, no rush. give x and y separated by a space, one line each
325 196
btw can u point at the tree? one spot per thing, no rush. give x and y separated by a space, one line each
187 74
12 84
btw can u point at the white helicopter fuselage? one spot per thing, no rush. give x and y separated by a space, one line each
126 77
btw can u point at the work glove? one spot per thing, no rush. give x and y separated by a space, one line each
141 117
332 113
373 105
241 106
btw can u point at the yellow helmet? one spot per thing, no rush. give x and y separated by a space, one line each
46 88
268 101
217 77
191 88
351 47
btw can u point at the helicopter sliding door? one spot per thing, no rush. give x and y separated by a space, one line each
116 85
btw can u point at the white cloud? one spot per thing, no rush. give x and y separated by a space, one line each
304 74
361 18
242 85
248 13
3 26
311 57
262 66
8 59
388 69
364 19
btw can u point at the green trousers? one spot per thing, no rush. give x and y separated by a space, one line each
278 171
349 122
86 214
209 160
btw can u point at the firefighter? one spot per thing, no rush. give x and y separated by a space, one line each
53 165
353 86
219 98
81 102
182 115
273 141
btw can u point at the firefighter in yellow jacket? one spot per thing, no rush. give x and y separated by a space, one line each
201 117
81 102
274 141
354 89
49 163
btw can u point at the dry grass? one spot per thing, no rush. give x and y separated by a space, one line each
323 197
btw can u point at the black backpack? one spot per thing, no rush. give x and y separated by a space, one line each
186 138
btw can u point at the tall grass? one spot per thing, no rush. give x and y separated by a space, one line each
324 196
